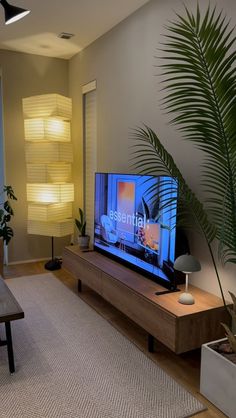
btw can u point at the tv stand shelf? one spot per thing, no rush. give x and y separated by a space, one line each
180 327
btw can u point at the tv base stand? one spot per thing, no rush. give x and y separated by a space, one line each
150 343
165 291
79 286
180 327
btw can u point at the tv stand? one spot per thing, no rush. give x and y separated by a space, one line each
166 291
180 327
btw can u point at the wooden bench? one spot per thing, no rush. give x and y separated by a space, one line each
10 310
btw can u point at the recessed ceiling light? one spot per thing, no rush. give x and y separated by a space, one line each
65 35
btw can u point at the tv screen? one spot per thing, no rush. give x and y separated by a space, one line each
133 224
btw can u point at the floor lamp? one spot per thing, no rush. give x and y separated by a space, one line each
48 151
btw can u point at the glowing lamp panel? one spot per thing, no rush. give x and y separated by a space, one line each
49 212
47 130
51 229
47 106
50 193
48 152
49 173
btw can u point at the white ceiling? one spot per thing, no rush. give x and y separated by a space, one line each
37 33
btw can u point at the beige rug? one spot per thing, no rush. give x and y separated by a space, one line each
71 363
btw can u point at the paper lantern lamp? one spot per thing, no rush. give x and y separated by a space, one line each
48 151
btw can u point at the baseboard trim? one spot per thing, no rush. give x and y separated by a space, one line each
12 263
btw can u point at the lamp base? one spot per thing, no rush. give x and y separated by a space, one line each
186 299
54 264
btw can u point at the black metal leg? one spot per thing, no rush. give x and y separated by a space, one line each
150 343
79 286
10 347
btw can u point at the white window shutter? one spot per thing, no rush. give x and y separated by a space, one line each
90 156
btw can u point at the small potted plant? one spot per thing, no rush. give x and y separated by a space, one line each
83 239
6 212
218 368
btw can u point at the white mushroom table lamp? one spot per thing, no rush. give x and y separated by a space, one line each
187 264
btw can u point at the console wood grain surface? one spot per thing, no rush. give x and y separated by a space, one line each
10 309
179 327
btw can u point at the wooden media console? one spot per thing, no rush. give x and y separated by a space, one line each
180 327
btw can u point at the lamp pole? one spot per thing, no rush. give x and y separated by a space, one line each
186 282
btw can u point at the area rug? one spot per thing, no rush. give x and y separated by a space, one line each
71 363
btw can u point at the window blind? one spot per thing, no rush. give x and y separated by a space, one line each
90 156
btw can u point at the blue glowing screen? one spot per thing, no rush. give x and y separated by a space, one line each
135 219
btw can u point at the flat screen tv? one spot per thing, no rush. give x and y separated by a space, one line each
133 225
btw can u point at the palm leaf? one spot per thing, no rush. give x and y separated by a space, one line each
231 337
81 223
145 209
200 95
10 192
191 213
147 142
232 311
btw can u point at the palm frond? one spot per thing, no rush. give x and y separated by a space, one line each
231 337
200 96
147 142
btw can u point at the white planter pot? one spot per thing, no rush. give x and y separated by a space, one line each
218 380
83 242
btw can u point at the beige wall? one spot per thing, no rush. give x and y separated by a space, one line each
25 75
123 63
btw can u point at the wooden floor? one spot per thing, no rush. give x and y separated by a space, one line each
184 368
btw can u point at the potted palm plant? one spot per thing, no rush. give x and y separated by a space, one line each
218 370
6 213
83 238
199 78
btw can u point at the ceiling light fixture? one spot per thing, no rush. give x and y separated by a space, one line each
13 13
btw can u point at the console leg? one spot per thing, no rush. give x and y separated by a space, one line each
9 348
79 286
150 343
